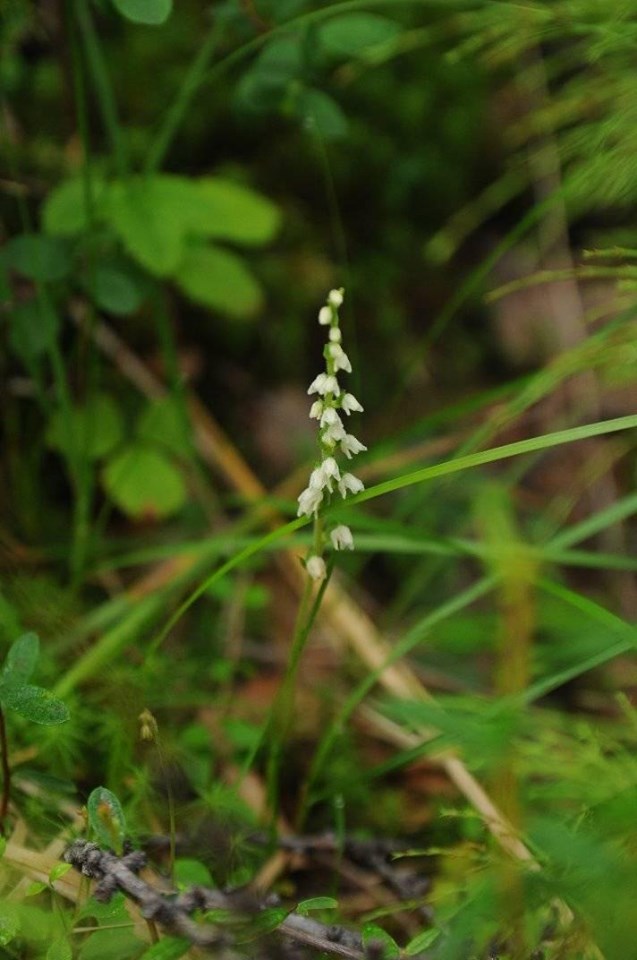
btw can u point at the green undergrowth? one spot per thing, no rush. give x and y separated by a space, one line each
180 189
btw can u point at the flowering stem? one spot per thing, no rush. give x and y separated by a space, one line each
282 709
326 480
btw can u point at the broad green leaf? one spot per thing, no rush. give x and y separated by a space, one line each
106 818
189 873
321 113
114 290
65 210
144 483
33 703
219 279
21 659
152 12
33 328
60 949
114 912
353 33
421 942
230 211
316 903
168 948
162 423
374 934
38 257
111 945
94 429
9 922
152 216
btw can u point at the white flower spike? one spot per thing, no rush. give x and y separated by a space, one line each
333 439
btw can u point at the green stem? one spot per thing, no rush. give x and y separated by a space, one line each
103 88
6 774
280 718
192 81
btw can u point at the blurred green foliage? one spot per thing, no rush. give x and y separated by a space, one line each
180 186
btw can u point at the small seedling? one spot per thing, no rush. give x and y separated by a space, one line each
31 702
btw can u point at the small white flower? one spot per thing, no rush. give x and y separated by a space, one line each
334 433
309 501
335 334
350 484
316 410
325 384
325 316
349 404
316 479
340 358
330 471
329 417
351 446
342 538
315 566
335 298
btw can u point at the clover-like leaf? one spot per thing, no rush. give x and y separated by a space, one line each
21 659
33 703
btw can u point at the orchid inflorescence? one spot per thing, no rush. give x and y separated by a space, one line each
327 477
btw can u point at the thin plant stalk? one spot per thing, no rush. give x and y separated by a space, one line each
6 774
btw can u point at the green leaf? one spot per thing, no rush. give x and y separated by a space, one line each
114 912
374 934
219 279
421 942
230 211
38 257
33 703
60 949
33 328
151 216
266 921
94 429
152 12
162 423
9 922
189 872
21 659
321 113
114 290
110 945
65 211
35 888
58 871
106 818
316 903
354 33
143 483
168 948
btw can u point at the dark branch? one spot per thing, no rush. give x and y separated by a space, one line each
174 913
